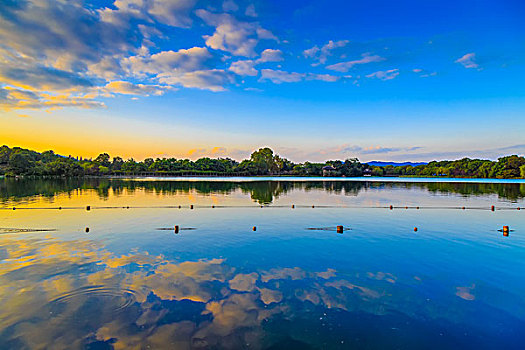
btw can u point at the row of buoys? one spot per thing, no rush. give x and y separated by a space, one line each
339 229
293 206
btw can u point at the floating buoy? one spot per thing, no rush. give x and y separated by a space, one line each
293 206
463 208
340 229
88 208
180 207
59 208
313 206
506 229
213 206
406 207
87 229
254 228
391 207
14 208
493 208
191 206
518 208
417 207
176 228
415 229
262 206
127 207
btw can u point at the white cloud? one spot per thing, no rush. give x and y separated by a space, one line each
128 88
468 60
213 79
279 76
271 55
384 75
346 66
244 68
180 61
321 54
174 13
323 77
231 35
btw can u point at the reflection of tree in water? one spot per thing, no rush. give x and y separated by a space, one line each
262 192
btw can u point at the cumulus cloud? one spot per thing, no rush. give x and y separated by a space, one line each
64 48
169 62
384 75
244 68
233 36
468 60
212 79
346 66
170 12
185 67
128 88
47 47
321 54
270 55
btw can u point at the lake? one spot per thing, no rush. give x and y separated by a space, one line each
259 264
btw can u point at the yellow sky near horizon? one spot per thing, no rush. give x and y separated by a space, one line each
88 137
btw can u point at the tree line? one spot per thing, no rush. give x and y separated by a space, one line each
509 167
19 161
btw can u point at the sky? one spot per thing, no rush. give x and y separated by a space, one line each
401 80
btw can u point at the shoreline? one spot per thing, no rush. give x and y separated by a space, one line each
399 179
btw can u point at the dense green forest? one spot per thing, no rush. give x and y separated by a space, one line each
18 161
510 167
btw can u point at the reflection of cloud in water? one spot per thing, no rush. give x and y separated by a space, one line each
189 304
466 292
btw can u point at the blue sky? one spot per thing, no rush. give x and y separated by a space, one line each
316 80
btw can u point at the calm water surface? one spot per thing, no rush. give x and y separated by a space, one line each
294 283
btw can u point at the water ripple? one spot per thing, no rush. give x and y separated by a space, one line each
120 298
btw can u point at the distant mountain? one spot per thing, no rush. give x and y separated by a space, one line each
375 163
